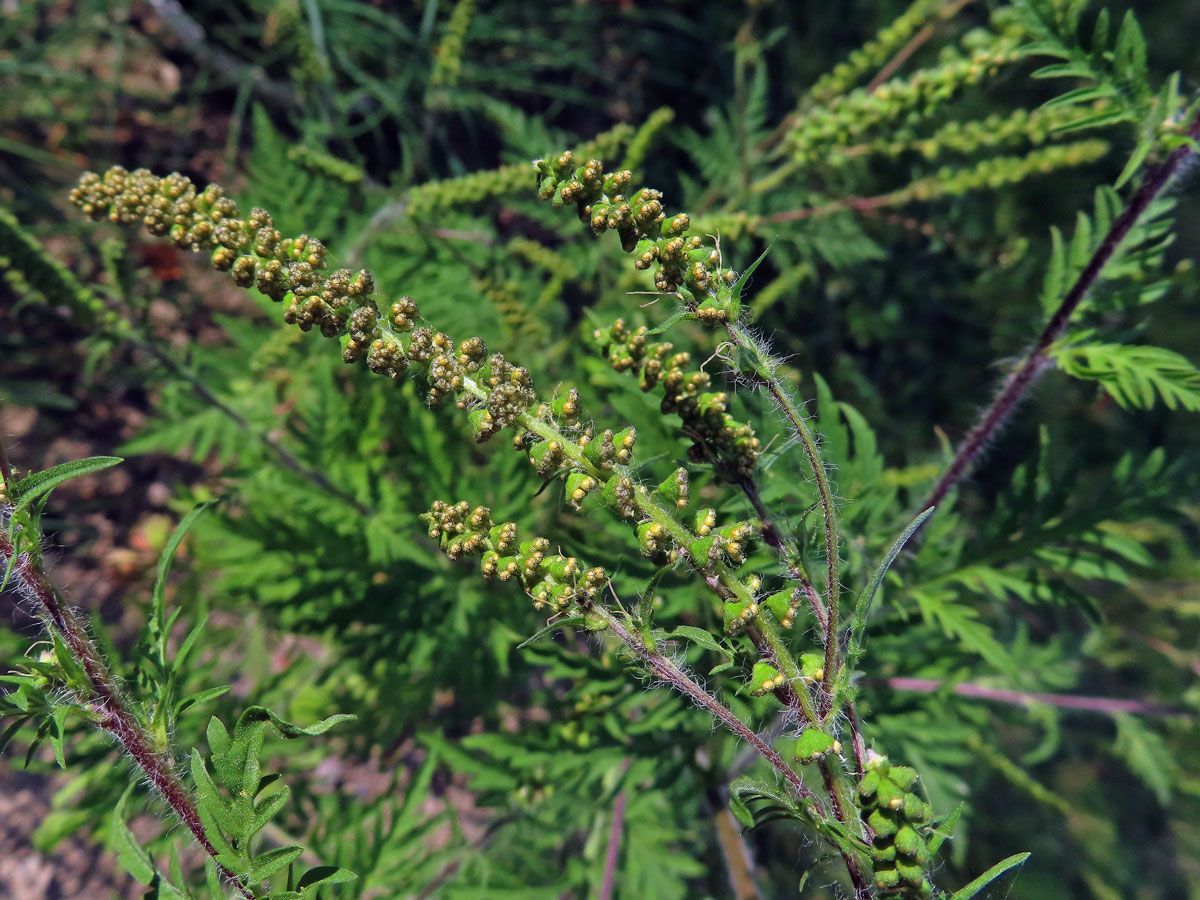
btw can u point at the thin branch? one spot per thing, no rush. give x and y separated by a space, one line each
1107 705
671 674
914 44
1038 361
614 847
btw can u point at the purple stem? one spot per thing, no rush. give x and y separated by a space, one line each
1038 360
113 714
1109 705
614 847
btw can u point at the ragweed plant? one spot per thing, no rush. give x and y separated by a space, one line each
708 529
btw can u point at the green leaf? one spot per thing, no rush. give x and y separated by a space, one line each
1134 375
201 697
944 830
324 875
862 606
267 864
1146 754
740 284
130 854
741 811
167 557
568 622
39 484
287 729
670 321
265 811
1136 159
989 876
698 636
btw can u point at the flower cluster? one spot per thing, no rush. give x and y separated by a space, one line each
293 271
251 249
686 265
849 117
899 821
873 54
505 181
552 580
32 271
716 436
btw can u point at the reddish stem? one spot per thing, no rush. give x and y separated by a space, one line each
1109 705
1038 360
113 714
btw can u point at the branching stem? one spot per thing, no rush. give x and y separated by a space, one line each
798 422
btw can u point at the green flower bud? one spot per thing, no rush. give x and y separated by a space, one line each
783 606
904 777
908 842
765 678
814 743
869 784
883 822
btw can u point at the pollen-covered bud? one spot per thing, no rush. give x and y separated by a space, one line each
547 457
738 615
488 564
812 666
705 520
675 489
561 568
403 314
579 486
623 443
765 678
621 495
594 581
471 353
705 552
600 451
507 567
566 406
362 324
386 358
652 538
504 537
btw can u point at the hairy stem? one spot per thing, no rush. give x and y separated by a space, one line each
798 422
671 674
1038 360
111 709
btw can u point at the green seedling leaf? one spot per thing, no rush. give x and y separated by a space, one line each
989 876
324 875
287 729
698 636
272 861
568 622
130 854
39 484
863 605
167 557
